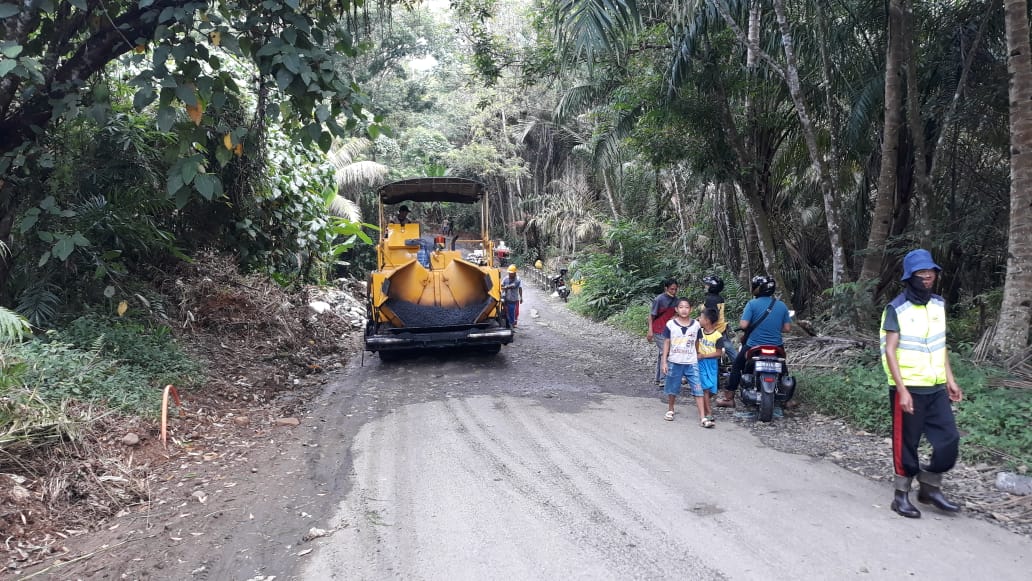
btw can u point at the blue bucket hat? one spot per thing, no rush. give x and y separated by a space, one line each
916 260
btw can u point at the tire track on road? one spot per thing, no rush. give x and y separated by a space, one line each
546 439
628 553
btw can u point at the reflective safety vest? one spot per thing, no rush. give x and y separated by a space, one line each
922 342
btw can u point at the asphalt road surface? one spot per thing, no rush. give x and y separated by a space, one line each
552 461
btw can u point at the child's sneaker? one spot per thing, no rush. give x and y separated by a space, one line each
707 423
669 416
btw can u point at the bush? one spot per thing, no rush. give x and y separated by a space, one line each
993 421
58 371
631 270
123 364
146 347
632 319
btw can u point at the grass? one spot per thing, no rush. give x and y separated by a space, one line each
993 421
633 319
121 365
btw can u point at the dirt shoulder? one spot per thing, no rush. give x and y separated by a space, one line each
268 353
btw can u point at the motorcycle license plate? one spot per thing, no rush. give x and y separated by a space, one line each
771 366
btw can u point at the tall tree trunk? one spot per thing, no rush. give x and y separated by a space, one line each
922 183
609 195
882 217
947 118
749 235
817 158
747 181
682 217
1016 310
828 89
724 209
752 55
752 58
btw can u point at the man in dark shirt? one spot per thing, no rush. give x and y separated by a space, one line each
403 213
662 311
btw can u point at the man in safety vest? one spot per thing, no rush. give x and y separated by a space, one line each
921 385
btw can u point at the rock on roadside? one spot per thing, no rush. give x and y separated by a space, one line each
1014 483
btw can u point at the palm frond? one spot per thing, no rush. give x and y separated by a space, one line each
585 27
360 174
344 208
577 100
38 303
693 18
867 107
349 174
344 152
12 326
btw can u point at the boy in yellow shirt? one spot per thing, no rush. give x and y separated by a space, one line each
710 350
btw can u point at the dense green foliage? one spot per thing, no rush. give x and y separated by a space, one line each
630 272
122 364
135 133
658 119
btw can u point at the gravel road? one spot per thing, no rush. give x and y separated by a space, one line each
552 461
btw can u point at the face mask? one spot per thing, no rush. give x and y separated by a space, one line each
916 291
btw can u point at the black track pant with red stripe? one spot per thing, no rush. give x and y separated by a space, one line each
933 417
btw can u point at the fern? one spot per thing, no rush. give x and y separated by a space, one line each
38 303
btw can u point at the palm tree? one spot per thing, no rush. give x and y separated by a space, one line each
817 156
570 216
352 176
882 217
1015 312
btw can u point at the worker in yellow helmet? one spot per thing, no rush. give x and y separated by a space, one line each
512 294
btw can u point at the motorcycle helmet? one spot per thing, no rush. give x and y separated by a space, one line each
714 282
763 286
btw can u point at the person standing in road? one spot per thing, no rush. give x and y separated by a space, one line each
680 359
661 312
764 320
710 351
714 300
921 386
512 294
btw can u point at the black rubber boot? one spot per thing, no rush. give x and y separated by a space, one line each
933 495
901 504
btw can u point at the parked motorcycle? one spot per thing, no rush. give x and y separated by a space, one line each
765 380
558 284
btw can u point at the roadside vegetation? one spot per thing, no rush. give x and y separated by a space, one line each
54 385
